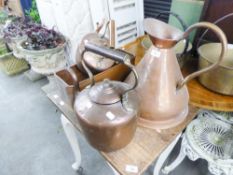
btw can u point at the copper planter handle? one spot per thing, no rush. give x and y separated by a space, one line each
222 37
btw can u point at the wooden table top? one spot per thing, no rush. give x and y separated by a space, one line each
202 97
146 145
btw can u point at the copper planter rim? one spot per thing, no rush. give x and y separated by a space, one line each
201 53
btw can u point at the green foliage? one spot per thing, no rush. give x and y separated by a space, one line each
3 17
33 12
3 50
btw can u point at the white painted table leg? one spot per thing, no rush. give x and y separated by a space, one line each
174 164
113 169
72 138
164 155
51 86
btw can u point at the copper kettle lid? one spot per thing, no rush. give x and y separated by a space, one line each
106 93
162 34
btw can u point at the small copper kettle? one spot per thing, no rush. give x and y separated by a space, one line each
107 111
162 91
97 63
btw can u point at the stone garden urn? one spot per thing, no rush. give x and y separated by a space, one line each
46 61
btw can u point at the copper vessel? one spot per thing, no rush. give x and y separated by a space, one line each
162 91
97 63
107 111
221 79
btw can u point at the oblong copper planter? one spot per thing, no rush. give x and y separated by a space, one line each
219 80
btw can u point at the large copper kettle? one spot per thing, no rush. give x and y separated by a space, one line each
97 63
107 111
162 91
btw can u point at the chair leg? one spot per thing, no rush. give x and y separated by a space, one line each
164 155
72 138
175 163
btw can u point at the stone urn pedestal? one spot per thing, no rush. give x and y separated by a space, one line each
45 62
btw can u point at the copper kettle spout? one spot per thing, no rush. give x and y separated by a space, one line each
75 81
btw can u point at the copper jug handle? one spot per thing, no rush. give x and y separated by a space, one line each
220 34
116 55
215 22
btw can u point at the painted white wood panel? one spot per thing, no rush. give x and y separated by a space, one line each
74 21
71 17
99 11
75 18
128 16
45 9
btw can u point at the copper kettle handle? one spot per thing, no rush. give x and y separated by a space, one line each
220 34
116 55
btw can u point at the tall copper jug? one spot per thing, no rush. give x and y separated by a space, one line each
162 91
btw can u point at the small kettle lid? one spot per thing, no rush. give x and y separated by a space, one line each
106 93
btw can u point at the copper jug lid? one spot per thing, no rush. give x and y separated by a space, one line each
162 34
106 92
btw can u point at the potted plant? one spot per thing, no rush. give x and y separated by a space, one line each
33 12
43 49
3 18
16 30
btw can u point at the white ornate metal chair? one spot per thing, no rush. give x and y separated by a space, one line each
208 137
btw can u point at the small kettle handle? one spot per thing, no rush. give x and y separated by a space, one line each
99 26
116 55
222 37
110 26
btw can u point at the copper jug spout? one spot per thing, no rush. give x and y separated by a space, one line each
161 34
